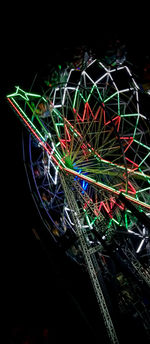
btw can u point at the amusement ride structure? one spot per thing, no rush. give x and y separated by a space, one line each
88 157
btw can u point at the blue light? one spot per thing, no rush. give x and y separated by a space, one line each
84 185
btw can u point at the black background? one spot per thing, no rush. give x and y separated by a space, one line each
39 287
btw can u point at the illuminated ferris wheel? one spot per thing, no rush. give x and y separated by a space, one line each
89 158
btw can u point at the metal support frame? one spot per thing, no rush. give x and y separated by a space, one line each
136 266
89 262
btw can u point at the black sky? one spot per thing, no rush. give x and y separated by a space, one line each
37 288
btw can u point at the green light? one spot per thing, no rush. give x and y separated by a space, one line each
27 118
137 121
108 188
126 221
24 95
132 115
148 188
142 144
116 221
75 96
68 162
145 176
144 159
109 224
92 89
113 95
35 128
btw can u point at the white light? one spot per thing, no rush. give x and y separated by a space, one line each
69 75
89 78
144 231
103 76
125 90
134 233
113 82
91 63
140 246
101 64
48 167
66 209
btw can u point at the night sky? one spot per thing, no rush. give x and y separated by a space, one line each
41 286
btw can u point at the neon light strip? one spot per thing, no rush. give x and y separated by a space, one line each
140 246
48 149
106 187
113 95
36 130
132 162
133 115
102 77
141 144
16 107
90 180
23 94
102 65
91 63
75 96
93 87
126 90
115 221
138 110
145 176
144 159
89 78
148 188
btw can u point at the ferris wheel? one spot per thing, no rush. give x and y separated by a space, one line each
88 166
